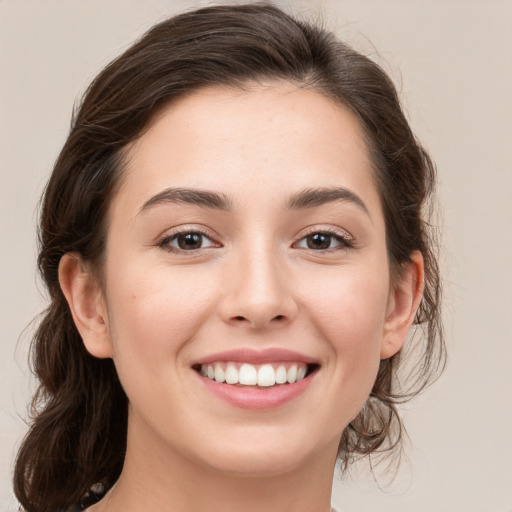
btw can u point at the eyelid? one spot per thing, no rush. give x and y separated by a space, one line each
347 241
164 239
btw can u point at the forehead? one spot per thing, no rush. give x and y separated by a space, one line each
276 136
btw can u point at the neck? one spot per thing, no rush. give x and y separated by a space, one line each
159 478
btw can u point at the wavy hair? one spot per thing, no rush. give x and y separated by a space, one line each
77 436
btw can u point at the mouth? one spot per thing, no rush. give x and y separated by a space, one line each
257 379
257 376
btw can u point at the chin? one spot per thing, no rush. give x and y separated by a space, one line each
263 455
258 465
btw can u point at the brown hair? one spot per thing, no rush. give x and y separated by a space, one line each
78 434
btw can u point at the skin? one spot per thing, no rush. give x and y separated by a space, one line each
253 283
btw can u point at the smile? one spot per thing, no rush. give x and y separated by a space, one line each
262 375
256 379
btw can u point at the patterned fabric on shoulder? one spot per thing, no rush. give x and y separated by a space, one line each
92 497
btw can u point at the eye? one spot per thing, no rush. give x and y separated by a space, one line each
187 241
324 240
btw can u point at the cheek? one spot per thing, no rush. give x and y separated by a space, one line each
153 314
349 305
152 318
349 313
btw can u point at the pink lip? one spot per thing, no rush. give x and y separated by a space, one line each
246 397
247 355
256 398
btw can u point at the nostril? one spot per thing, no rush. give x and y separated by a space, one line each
279 317
239 318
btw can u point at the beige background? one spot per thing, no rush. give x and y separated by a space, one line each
452 60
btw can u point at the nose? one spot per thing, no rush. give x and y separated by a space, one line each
259 293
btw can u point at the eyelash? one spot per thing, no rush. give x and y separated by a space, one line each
343 240
164 243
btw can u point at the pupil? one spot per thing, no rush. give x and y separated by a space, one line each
319 241
190 241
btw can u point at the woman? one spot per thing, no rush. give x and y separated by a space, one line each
235 250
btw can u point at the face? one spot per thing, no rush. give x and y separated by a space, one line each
247 243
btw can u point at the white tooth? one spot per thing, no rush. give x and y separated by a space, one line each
231 374
291 376
266 375
248 375
281 375
301 373
219 373
211 372
204 370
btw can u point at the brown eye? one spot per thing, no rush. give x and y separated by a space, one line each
319 241
187 241
323 241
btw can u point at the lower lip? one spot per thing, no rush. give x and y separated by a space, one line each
257 398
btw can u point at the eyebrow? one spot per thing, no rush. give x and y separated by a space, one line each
204 198
312 197
308 198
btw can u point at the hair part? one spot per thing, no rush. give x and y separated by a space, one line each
78 434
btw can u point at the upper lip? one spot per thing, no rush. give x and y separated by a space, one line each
248 355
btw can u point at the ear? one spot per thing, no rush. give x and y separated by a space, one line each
404 300
86 302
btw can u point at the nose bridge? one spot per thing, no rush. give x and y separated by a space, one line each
259 293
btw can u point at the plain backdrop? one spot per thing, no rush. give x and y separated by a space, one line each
452 62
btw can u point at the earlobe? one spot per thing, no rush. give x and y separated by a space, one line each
404 300
87 305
